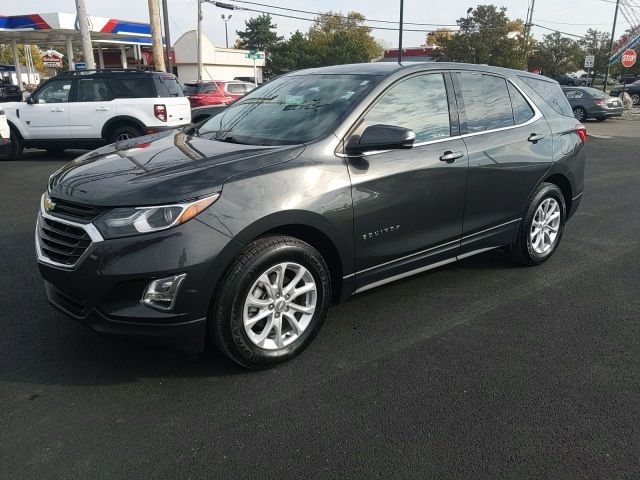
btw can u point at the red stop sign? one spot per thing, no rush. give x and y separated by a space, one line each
629 58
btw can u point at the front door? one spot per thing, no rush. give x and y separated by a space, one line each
48 116
408 204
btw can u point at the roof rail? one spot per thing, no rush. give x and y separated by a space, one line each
78 73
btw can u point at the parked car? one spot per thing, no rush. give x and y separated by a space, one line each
86 109
566 80
588 102
199 114
5 135
9 93
215 92
625 78
633 89
321 184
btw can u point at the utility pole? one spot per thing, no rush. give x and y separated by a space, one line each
613 34
167 36
400 32
527 35
199 39
85 34
226 19
156 35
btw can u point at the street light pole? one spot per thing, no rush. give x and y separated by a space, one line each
167 35
226 19
199 40
400 32
613 33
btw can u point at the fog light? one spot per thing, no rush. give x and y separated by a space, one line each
162 293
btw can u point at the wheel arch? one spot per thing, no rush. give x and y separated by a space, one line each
120 120
13 127
563 183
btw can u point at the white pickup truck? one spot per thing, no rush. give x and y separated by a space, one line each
87 109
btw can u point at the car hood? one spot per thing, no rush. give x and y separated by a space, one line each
162 168
9 105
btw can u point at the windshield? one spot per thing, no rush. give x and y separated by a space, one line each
191 88
290 109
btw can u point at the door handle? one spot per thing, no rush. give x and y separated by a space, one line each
102 109
451 157
57 109
533 138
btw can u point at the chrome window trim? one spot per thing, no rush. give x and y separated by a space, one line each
91 230
537 115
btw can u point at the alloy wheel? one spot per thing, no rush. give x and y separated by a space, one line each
635 98
279 306
579 113
545 226
123 136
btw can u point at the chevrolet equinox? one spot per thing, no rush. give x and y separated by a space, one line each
316 186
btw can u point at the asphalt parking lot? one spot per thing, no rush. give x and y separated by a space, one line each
476 370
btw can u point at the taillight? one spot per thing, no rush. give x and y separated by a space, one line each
582 133
160 111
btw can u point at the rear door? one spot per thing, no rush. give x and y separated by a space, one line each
510 148
48 117
93 107
408 203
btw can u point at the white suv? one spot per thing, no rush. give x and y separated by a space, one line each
87 109
5 143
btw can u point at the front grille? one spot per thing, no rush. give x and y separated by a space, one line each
62 243
76 212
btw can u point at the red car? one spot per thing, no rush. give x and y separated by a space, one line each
215 92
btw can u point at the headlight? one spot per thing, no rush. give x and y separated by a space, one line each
123 222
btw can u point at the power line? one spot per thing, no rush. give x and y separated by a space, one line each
556 30
337 15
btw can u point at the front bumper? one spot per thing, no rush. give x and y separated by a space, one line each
103 290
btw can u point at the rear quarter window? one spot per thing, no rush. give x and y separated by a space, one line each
551 93
168 86
133 86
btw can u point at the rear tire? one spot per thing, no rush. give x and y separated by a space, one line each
580 114
15 152
124 132
252 288
541 227
635 98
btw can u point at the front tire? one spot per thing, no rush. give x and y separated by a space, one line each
635 98
542 226
271 303
15 152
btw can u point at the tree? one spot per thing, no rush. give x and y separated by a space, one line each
439 36
596 43
6 56
294 54
344 39
486 36
556 55
259 34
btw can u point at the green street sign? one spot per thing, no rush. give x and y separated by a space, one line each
253 55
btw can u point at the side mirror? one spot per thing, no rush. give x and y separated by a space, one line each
30 100
381 137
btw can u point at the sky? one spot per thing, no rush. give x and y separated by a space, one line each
571 16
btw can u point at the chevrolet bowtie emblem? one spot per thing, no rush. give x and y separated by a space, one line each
48 204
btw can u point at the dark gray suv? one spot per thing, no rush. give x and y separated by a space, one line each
316 186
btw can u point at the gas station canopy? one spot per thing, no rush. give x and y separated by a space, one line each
47 29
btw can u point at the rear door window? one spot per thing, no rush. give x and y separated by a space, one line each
486 102
419 103
522 111
93 90
551 93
